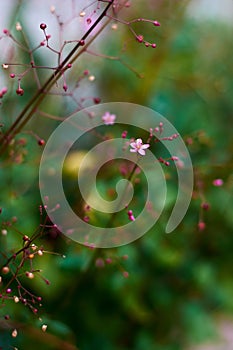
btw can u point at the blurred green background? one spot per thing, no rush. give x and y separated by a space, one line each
178 284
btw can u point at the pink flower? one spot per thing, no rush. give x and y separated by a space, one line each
139 147
108 118
218 182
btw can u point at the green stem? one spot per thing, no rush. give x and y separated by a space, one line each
129 178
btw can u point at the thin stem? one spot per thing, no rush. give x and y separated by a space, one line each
97 251
129 178
36 100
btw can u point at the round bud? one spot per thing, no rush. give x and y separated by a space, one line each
86 218
29 275
125 257
4 90
14 333
96 100
205 206
44 327
43 26
20 91
16 299
125 274
139 38
99 263
201 226
5 270
41 142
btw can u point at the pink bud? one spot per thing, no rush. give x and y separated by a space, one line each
96 100
201 226
205 206
20 91
131 218
43 26
218 182
41 142
124 134
125 274
4 90
108 260
139 38
86 219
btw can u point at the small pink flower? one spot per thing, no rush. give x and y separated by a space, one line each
218 182
139 147
108 118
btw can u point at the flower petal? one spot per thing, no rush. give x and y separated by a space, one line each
133 144
141 151
145 146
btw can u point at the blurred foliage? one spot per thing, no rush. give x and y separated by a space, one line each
176 282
